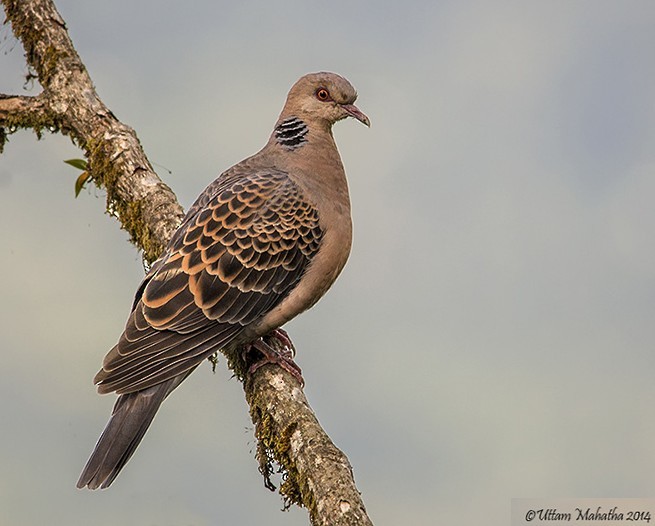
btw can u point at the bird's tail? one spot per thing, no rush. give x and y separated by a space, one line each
130 419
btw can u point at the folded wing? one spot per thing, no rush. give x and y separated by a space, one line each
240 250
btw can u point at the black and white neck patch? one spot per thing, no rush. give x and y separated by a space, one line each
291 133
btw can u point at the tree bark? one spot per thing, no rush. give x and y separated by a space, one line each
145 207
316 474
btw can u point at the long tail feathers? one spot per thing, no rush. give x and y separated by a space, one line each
130 419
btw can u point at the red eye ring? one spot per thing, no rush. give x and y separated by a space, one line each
323 95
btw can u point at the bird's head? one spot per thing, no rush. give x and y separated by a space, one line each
323 97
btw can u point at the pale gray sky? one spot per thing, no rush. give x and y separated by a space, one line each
492 335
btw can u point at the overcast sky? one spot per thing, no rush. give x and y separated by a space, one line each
493 334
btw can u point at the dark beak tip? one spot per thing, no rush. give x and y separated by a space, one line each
354 111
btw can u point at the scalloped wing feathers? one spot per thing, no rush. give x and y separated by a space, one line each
241 249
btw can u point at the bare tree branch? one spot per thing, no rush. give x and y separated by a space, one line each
316 474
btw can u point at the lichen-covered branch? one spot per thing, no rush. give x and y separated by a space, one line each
317 474
146 208
16 110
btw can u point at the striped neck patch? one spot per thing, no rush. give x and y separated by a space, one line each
290 133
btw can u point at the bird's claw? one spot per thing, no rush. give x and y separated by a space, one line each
282 336
279 351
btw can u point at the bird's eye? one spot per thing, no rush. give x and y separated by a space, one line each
323 95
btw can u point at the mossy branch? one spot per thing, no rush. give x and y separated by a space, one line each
316 474
145 207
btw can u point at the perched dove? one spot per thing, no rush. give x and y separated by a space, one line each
260 245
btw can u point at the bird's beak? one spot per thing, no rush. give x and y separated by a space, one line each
353 111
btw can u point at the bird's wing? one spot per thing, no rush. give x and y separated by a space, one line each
234 258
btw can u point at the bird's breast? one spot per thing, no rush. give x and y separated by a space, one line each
321 273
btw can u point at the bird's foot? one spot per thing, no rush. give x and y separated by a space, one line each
282 337
276 347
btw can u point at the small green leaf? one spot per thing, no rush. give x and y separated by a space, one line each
80 182
80 164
